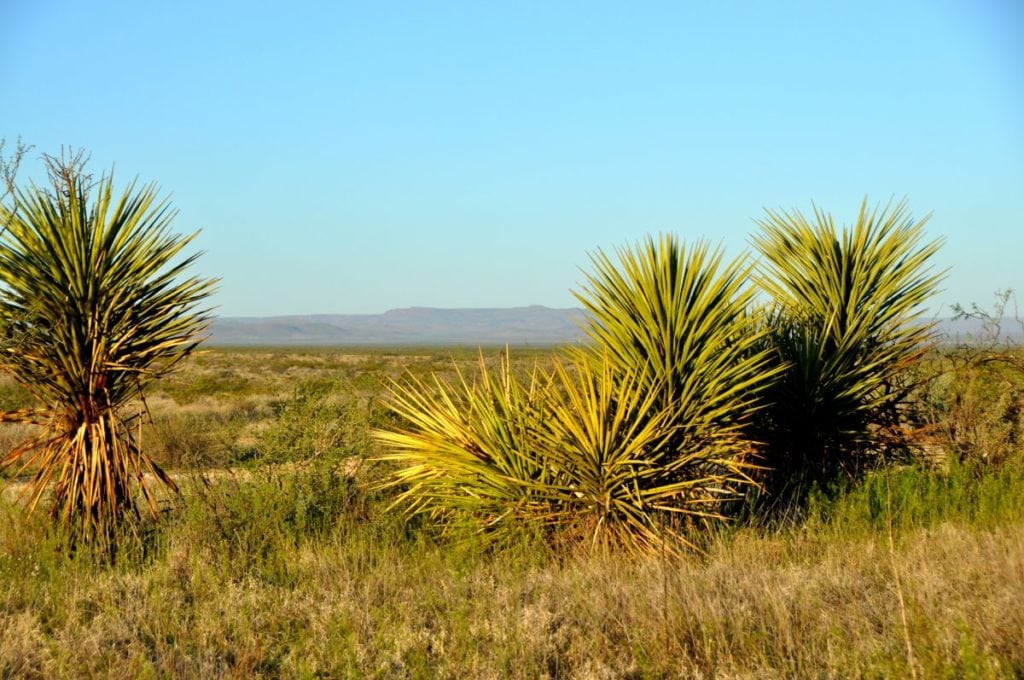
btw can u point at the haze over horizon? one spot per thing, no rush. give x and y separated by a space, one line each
347 158
534 325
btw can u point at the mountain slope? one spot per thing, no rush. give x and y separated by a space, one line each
533 325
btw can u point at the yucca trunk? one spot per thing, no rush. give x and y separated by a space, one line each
103 461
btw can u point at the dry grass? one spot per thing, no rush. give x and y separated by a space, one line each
292 571
351 606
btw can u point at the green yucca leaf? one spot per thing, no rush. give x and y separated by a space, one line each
848 323
94 307
680 319
467 451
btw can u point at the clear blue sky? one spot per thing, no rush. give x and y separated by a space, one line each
354 157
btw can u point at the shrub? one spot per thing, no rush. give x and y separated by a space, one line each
187 439
975 403
320 419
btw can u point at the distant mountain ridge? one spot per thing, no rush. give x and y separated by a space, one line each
534 325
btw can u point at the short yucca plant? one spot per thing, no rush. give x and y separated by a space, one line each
573 454
617 485
93 308
680 318
467 456
846 327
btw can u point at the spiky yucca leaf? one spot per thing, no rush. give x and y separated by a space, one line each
620 483
467 451
93 308
680 318
848 324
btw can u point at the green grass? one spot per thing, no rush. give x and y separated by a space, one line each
287 568
913 497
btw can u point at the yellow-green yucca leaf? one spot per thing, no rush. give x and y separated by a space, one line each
848 323
680 318
466 453
621 485
93 307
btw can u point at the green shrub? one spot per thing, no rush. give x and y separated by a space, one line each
974 401
256 521
320 419
190 440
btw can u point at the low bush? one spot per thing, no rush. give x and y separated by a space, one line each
320 419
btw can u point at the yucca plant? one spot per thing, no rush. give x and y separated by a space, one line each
93 307
618 484
467 452
846 327
680 318
573 454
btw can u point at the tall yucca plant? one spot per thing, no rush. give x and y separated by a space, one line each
680 318
94 307
847 325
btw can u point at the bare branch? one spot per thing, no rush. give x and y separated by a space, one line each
9 167
67 169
